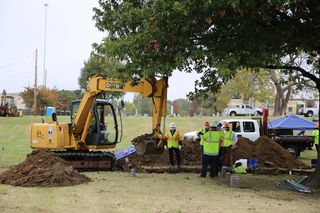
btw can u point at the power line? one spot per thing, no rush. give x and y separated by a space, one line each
16 62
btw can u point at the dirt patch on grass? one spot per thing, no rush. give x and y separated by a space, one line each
43 168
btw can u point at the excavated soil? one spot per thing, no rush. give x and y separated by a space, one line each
43 168
190 156
267 152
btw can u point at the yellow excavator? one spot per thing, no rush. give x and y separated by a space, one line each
94 125
8 107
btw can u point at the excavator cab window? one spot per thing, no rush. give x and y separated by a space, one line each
103 128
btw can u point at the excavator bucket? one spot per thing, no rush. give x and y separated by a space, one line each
146 144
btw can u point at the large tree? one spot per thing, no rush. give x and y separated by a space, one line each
45 97
154 37
65 97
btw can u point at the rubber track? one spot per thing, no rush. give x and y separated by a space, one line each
83 156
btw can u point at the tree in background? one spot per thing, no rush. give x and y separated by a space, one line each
97 65
129 108
176 107
46 97
142 104
290 82
249 85
194 107
65 97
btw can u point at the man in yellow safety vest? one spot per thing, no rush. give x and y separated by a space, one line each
212 140
202 131
174 142
315 134
228 141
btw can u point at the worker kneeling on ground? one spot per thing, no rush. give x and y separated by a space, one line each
228 141
212 141
201 132
174 142
239 169
315 134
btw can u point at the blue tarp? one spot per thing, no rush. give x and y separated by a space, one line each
125 152
291 122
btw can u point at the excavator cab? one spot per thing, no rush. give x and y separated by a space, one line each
103 129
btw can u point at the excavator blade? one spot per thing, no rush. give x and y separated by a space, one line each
147 144
146 147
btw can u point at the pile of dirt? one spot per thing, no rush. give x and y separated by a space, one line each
43 168
267 152
190 156
142 138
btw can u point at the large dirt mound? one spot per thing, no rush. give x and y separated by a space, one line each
190 156
265 150
43 168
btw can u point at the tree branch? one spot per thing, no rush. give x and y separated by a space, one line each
304 73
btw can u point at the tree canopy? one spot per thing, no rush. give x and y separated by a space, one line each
212 37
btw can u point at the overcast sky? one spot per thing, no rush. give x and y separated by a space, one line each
70 33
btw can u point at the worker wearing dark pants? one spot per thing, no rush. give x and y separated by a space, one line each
228 141
177 152
174 141
212 142
213 162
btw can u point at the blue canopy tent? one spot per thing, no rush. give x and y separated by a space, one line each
291 122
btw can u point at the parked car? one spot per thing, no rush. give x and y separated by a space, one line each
309 111
243 109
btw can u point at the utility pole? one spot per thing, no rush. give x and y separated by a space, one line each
44 48
35 90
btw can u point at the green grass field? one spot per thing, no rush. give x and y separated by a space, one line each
119 192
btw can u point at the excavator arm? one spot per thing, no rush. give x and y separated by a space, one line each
152 88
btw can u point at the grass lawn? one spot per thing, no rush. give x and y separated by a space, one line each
119 192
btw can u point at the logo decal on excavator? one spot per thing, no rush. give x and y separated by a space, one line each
50 133
113 85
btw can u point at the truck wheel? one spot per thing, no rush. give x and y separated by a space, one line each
293 151
233 114
309 114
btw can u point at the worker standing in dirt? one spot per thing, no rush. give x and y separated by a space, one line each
315 134
201 132
228 140
174 142
212 141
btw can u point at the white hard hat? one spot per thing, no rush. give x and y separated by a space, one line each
214 124
172 125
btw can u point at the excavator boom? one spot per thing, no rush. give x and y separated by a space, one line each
89 128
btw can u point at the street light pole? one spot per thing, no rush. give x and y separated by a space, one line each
44 49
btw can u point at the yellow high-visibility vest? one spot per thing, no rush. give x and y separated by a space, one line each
315 134
228 138
173 140
211 143
240 170
203 130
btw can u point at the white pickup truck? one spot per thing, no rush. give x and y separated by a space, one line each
309 111
242 109
250 128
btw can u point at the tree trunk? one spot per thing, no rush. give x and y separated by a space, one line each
284 101
277 105
314 179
